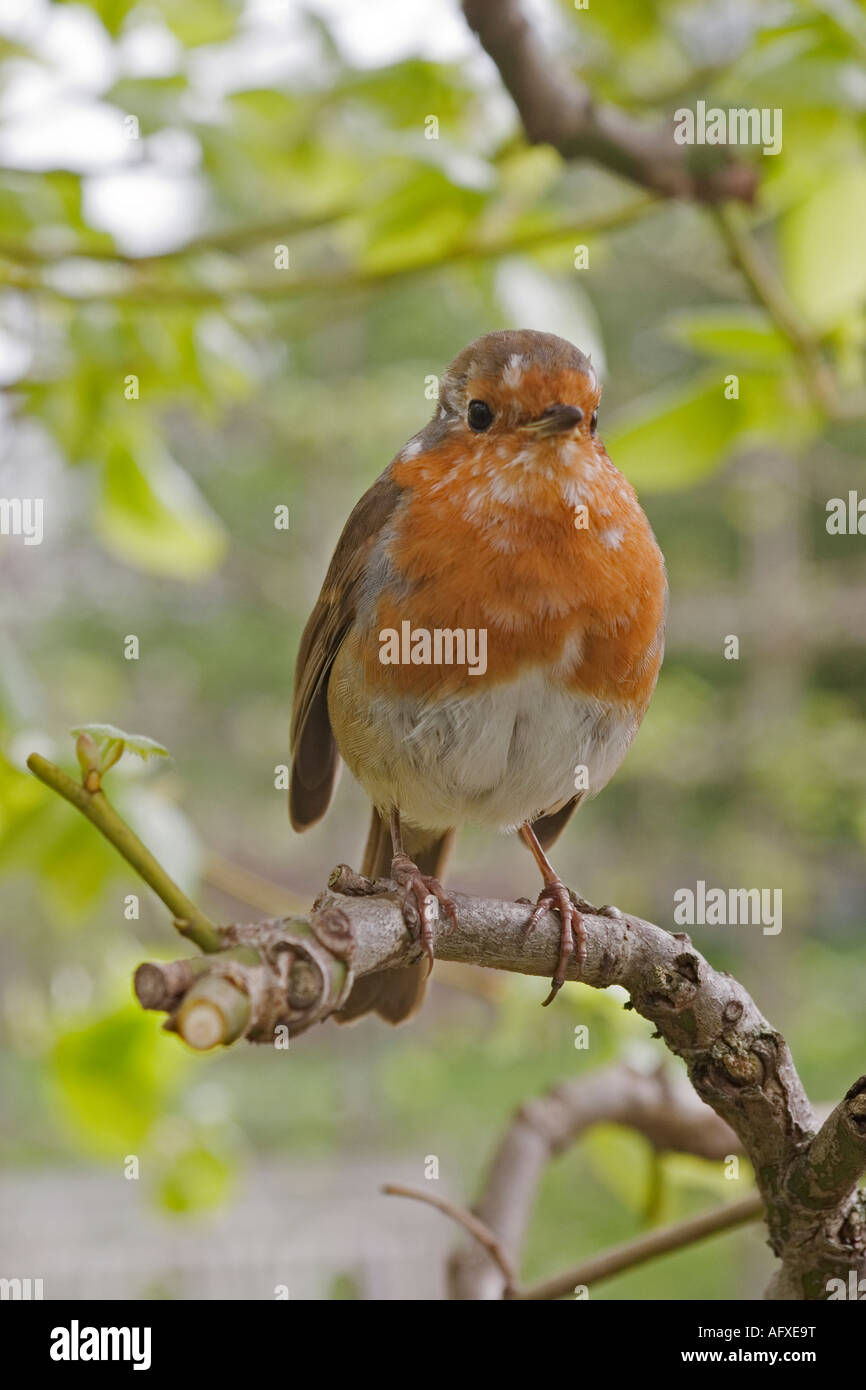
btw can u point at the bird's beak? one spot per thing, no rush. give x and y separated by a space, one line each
557 419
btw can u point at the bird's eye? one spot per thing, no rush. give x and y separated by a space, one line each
593 424
479 415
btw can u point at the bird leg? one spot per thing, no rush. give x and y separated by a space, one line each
554 895
419 893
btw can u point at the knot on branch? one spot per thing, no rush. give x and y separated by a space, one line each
855 1103
668 993
739 1062
301 973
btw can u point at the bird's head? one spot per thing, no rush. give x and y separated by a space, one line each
524 391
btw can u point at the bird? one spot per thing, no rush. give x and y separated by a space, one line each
486 641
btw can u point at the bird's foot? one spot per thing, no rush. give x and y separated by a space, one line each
420 894
554 896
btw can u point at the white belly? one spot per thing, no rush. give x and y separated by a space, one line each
499 757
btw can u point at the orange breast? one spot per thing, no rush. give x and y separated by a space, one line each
553 557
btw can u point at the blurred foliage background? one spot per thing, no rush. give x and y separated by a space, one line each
145 248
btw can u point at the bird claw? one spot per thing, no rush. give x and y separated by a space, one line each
554 896
421 896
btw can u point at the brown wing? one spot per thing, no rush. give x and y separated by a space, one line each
314 753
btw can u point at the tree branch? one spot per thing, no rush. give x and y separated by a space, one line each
738 1064
560 111
613 1261
143 290
477 1229
836 1158
669 1115
646 1247
768 292
298 971
230 240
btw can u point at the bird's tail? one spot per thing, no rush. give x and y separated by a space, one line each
396 994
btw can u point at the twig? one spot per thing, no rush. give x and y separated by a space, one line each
645 1247
244 885
227 239
761 279
143 290
470 1223
599 1267
189 920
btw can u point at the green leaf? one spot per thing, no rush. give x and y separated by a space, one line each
626 21
621 1160
111 12
686 1171
70 864
201 21
733 334
774 408
405 93
74 865
422 220
197 1180
673 438
113 1078
821 248
133 743
152 516
20 794
268 108
156 101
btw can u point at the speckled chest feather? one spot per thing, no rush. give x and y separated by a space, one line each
558 565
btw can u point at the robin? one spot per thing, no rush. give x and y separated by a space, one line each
487 638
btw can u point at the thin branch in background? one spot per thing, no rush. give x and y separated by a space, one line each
145 291
645 1247
245 885
225 240
594 1271
761 278
485 1237
660 1106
